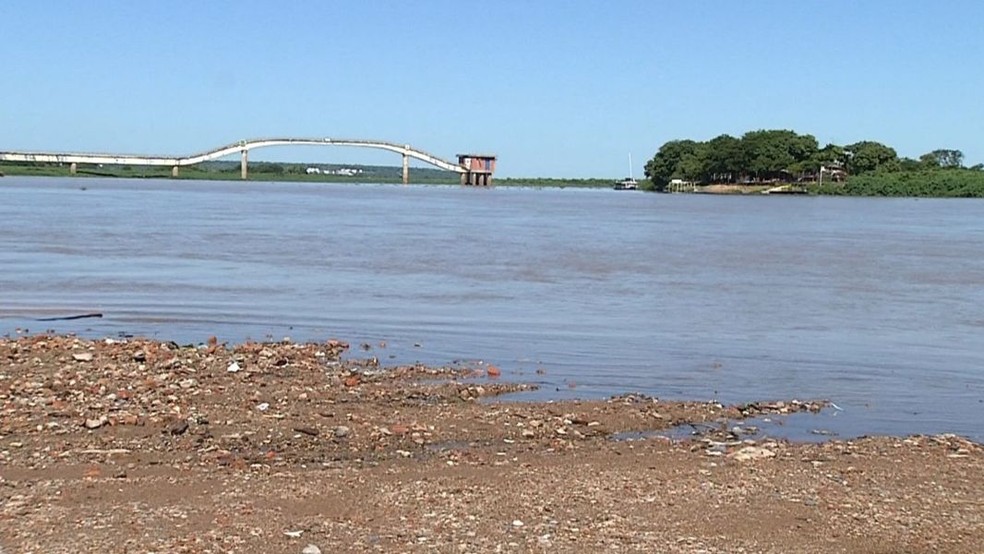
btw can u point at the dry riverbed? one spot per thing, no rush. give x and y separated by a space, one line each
144 446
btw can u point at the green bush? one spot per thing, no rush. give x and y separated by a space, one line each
947 183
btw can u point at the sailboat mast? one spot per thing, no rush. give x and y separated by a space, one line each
630 165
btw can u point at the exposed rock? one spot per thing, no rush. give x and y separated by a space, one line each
311 431
178 427
96 423
753 453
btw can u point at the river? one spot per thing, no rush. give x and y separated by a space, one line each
874 304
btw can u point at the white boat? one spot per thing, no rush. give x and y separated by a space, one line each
628 183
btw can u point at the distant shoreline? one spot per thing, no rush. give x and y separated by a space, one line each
934 184
428 177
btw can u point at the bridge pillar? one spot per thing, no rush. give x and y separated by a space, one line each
406 167
243 163
477 179
73 168
174 172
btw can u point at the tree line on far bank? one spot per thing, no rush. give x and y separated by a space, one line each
784 156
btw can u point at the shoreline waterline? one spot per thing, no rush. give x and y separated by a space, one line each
787 419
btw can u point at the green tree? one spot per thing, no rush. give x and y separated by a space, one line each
770 153
943 158
784 154
724 158
832 156
866 156
665 164
908 164
693 166
764 154
267 167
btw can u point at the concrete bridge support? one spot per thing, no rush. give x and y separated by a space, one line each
243 163
174 172
406 167
476 179
73 169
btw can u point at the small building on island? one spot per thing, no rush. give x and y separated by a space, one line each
478 169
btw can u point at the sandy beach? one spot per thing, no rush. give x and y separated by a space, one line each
147 446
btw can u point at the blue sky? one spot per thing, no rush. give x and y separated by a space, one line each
555 88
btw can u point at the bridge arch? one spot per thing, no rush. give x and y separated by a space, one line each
252 144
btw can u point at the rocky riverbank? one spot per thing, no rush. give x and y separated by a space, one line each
146 446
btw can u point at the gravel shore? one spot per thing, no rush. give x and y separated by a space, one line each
147 446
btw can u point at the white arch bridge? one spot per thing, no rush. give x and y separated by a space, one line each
475 169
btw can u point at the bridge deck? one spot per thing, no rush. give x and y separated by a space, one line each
222 151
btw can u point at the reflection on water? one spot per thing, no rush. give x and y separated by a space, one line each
876 304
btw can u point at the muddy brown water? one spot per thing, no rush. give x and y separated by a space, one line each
875 304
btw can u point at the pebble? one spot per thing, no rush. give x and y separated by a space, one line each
310 431
96 422
82 357
311 549
341 432
178 427
753 453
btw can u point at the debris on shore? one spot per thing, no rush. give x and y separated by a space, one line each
111 445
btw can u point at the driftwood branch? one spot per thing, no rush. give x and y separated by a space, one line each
71 317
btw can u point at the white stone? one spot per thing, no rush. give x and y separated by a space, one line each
753 453
96 423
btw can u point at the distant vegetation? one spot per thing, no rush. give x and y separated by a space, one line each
781 156
270 171
942 182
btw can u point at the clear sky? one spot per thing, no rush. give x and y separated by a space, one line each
562 88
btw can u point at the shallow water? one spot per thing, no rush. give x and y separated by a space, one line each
875 304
